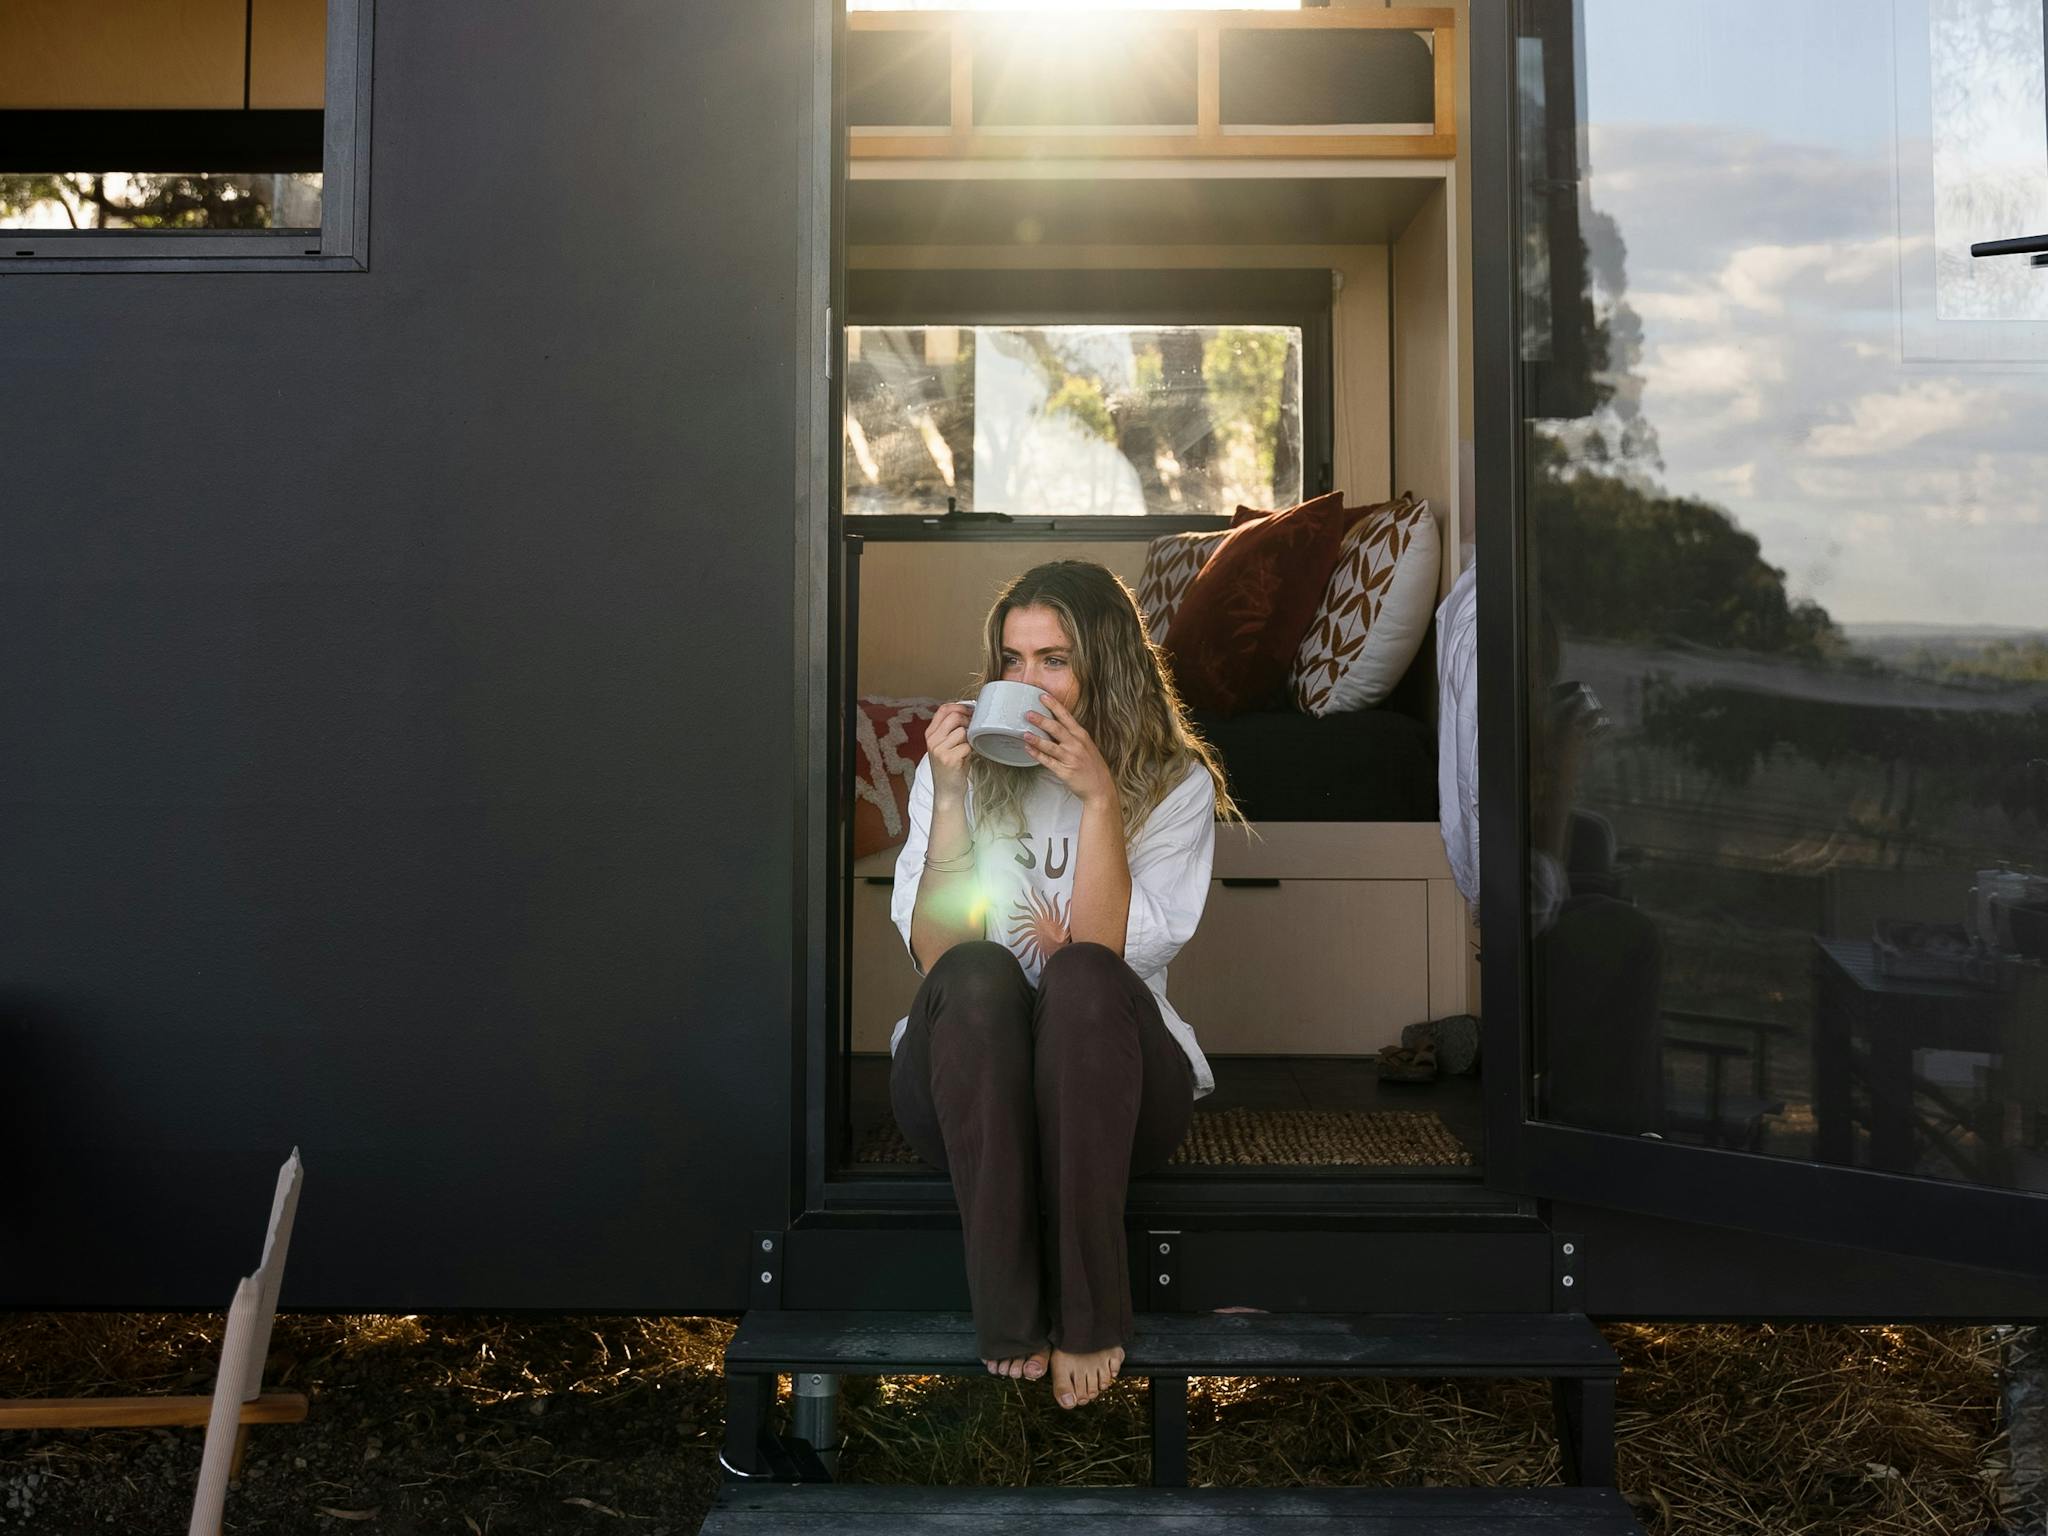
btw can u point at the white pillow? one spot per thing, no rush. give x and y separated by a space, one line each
1374 612
1171 562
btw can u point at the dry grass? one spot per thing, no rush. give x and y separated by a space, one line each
482 1426
1792 1431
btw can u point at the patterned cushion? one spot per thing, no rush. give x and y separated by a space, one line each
1170 564
1374 611
888 744
1235 635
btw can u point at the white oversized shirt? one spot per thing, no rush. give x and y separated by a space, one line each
1023 888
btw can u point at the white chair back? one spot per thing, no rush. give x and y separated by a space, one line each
242 1352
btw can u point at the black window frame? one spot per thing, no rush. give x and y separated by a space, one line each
1303 297
836 1193
1995 1229
342 242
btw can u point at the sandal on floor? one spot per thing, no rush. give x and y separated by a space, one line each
1400 1064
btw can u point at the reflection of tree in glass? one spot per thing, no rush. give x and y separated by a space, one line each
1624 563
1206 417
1952 759
145 201
909 418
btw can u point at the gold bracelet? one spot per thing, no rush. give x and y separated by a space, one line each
958 864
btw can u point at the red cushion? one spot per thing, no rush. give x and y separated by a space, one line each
888 745
1242 619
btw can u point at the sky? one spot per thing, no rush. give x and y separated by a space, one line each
1796 186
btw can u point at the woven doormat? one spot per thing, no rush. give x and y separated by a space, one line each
1274 1138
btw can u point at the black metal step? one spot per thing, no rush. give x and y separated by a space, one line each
1552 1344
1170 1347
757 1510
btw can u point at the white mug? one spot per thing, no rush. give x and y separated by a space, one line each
998 728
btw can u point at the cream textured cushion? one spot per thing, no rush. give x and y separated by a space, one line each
1170 565
1374 613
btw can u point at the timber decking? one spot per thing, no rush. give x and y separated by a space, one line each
754 1510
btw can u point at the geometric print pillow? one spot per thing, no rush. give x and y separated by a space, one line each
1170 564
1374 611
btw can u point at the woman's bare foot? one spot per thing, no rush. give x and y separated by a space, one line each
1077 1379
1024 1368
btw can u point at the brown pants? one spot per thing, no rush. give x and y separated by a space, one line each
1041 1106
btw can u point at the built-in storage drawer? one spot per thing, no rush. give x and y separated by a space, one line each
1319 939
1305 967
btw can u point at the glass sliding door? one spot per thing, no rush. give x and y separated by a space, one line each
1780 458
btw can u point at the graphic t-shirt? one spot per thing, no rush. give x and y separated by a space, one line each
1023 892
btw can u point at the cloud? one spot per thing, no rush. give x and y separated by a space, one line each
1883 423
1710 368
1765 276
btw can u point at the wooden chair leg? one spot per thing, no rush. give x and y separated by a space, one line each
235 1457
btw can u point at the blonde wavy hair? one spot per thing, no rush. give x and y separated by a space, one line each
1126 700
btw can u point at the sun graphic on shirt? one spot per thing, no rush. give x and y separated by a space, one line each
1038 926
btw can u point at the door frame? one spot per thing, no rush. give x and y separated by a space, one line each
1853 1207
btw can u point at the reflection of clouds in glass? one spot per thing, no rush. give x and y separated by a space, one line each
1764 275
1885 422
1716 189
1730 371
1990 154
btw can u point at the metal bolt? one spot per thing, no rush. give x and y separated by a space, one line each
767 1277
1166 1247
768 1245
1166 1279
1570 1249
1567 1282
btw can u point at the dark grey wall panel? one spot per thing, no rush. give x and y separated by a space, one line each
1633 1266
399 751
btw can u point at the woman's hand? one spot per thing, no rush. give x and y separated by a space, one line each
945 742
1067 752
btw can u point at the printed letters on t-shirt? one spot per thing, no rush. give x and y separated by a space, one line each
1054 868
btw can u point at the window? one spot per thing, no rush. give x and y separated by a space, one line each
1788 672
1027 394
217 133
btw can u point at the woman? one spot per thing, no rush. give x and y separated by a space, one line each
1041 1065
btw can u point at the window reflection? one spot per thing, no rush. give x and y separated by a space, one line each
1073 420
1788 671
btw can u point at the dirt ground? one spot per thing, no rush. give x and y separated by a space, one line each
512 1425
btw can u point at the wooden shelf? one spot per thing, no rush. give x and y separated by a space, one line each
947 125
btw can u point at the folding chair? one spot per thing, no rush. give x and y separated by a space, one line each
238 1398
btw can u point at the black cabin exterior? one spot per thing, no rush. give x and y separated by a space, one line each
460 800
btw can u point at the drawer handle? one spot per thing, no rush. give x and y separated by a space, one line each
878 879
1249 883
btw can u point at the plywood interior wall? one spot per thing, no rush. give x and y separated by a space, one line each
922 606
162 55
1425 377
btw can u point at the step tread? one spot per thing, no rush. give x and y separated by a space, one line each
758 1509
1198 1344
